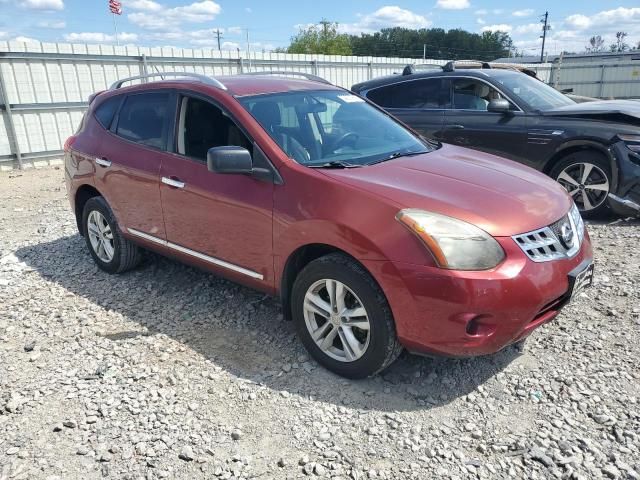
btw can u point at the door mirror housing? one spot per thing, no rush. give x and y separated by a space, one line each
498 105
229 160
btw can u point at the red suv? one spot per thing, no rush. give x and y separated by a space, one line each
374 238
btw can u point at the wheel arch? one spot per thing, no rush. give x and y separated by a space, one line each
299 259
82 196
572 147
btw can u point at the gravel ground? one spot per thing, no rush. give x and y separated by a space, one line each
168 372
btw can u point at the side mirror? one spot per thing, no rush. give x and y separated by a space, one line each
232 160
498 105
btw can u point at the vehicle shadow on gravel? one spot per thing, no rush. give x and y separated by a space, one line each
242 331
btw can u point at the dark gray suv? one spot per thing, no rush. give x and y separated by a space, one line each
592 149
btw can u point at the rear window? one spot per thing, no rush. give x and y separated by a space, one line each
106 110
421 94
143 118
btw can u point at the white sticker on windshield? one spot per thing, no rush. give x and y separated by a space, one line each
350 98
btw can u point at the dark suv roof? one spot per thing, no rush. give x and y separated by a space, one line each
435 72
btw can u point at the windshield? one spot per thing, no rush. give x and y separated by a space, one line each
331 128
538 95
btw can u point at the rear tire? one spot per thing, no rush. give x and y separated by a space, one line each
355 332
586 175
110 250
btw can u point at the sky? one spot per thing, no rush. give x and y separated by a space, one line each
270 24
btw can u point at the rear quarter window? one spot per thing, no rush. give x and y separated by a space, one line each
106 110
143 118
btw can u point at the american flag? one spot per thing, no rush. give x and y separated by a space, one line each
115 6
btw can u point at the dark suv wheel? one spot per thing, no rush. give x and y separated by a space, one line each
343 318
110 250
587 178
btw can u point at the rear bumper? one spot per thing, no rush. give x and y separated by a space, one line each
455 313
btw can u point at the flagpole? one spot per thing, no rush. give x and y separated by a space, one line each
115 28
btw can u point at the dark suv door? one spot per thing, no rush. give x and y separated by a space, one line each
419 103
468 123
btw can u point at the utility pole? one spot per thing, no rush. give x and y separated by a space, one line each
545 29
248 49
219 35
424 51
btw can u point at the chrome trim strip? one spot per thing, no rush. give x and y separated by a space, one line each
172 183
193 253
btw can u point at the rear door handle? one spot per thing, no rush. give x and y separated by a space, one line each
455 127
103 162
173 182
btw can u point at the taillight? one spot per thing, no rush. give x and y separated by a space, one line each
69 142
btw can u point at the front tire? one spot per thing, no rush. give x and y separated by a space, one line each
587 177
110 250
343 318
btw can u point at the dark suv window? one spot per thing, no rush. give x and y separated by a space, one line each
143 118
427 93
202 126
106 110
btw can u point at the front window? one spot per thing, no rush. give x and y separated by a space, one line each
538 95
473 94
331 128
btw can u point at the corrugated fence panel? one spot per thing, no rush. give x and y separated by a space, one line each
65 75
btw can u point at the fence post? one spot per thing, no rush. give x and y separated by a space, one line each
240 65
314 67
145 67
12 125
602 69
370 70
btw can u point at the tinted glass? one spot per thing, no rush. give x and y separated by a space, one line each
204 126
106 110
331 126
143 118
427 93
472 94
536 94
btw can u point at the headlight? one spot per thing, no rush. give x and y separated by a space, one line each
454 244
577 222
632 141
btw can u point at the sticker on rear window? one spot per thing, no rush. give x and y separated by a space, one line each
350 98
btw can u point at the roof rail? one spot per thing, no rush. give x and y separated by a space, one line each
411 68
308 76
203 78
451 66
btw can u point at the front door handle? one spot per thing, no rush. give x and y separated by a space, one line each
173 182
103 162
455 127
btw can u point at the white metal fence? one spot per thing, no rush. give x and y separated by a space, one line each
44 87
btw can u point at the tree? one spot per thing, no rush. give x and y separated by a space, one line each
620 45
596 44
436 43
322 39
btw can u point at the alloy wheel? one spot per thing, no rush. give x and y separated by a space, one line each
587 183
100 236
337 320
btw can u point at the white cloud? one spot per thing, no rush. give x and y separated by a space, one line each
235 30
482 11
42 4
56 24
480 21
527 12
453 4
501 27
3 35
144 5
171 18
99 37
385 17
25 40
528 28
248 10
610 20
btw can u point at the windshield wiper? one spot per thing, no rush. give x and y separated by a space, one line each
334 164
395 155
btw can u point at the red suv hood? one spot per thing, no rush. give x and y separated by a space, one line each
499 196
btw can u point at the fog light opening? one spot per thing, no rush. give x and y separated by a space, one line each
480 326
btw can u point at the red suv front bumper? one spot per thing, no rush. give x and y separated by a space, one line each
456 313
